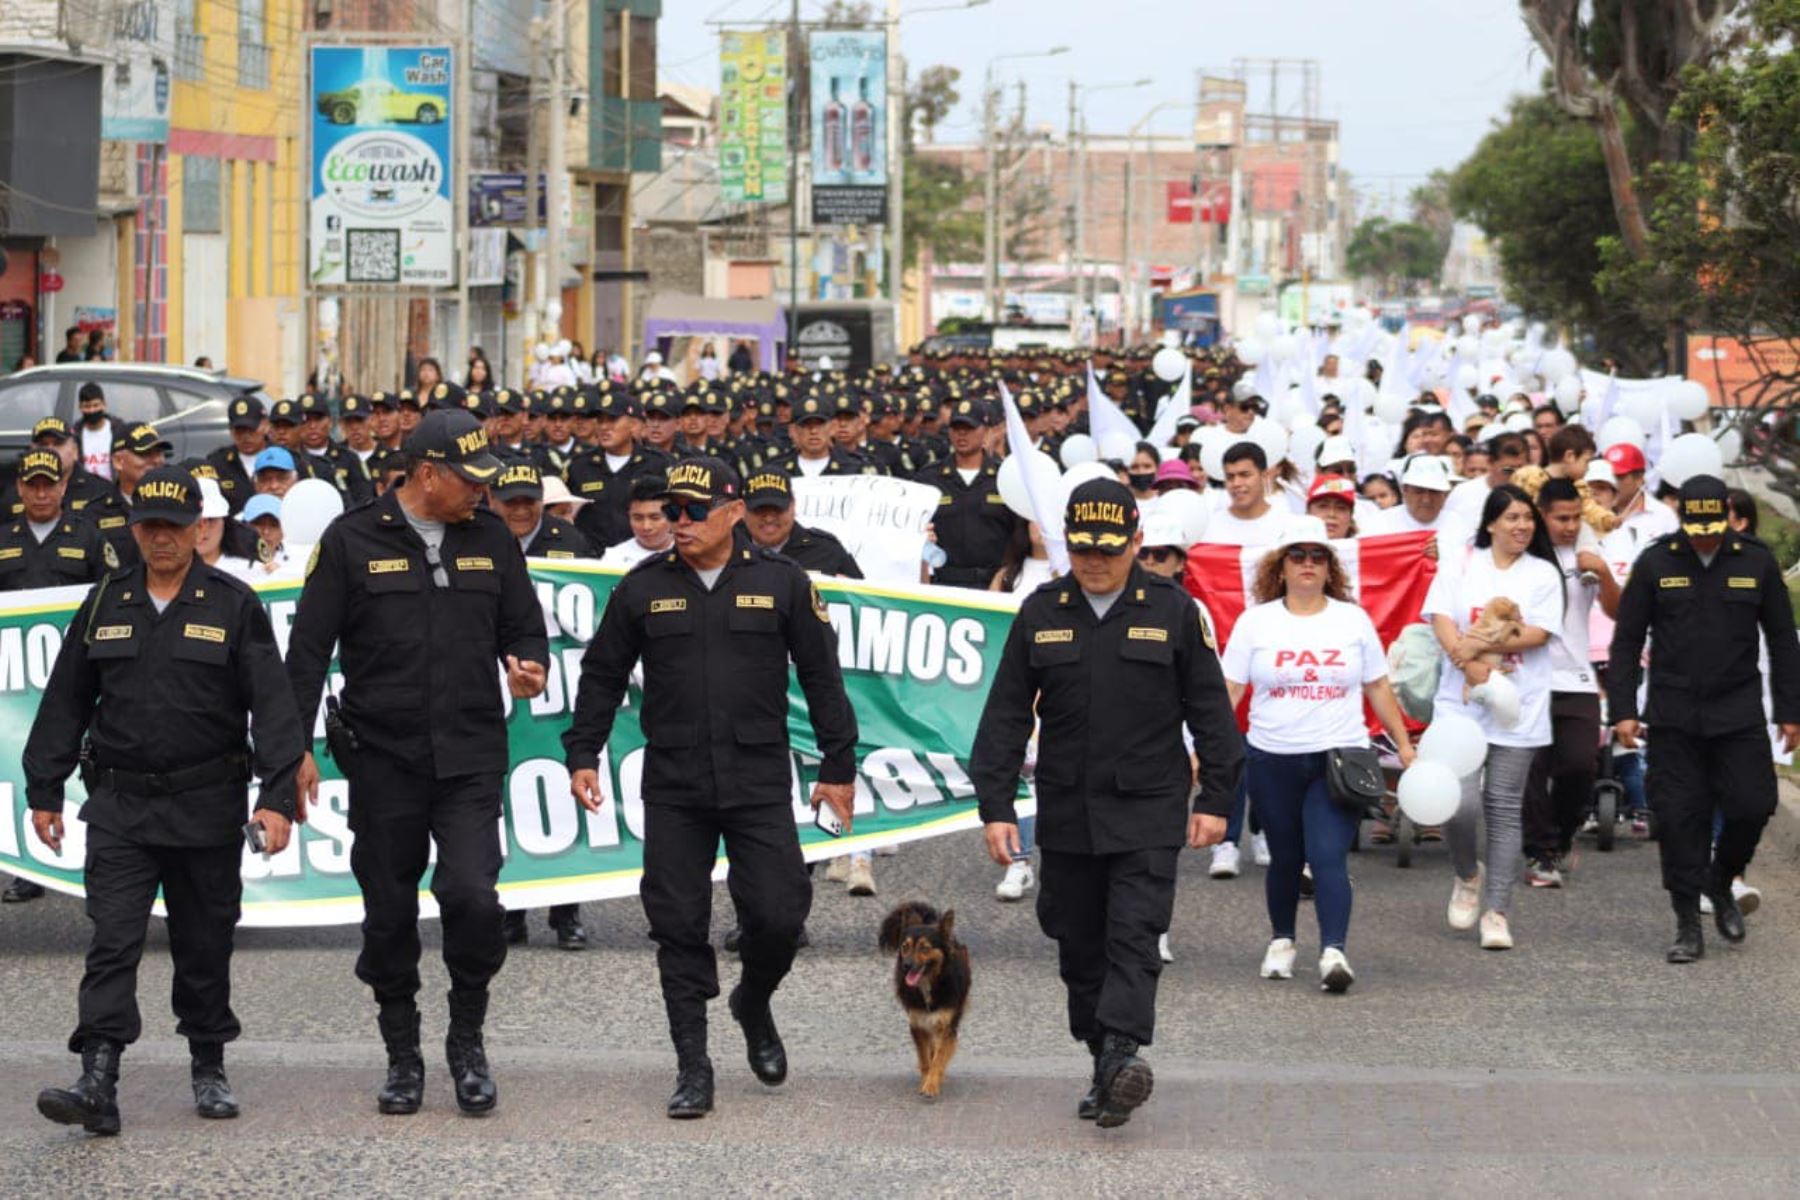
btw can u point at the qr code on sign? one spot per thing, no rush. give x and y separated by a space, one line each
374 256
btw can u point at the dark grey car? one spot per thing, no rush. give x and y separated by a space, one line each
186 405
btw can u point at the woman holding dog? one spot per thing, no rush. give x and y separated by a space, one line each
1311 656
1512 560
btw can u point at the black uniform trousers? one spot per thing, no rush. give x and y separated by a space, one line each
1105 912
1561 783
201 888
1688 776
396 812
768 884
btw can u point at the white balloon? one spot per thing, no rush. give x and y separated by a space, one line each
1301 420
1472 323
1250 352
1391 407
1078 448
1285 347
1500 696
1119 446
1517 422
307 509
1620 430
1429 792
1645 406
1689 455
1467 378
1082 472
1212 456
1169 364
1303 445
1456 741
1189 508
1731 444
1286 405
1556 364
1687 400
1265 326
1568 394
1046 476
1271 437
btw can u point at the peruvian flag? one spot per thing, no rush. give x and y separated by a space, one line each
1389 576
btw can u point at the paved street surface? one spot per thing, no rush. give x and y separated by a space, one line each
1577 1064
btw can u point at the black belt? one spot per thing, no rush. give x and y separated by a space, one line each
186 779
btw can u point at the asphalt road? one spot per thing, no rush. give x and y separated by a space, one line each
1579 1063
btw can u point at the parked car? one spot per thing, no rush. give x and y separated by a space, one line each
376 101
187 406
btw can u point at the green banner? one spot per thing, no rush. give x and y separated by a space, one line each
916 661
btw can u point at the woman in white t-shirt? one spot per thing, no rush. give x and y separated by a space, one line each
1310 656
1512 557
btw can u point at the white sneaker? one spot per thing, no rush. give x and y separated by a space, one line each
1748 898
1017 880
1706 909
1278 959
1224 861
1335 975
1162 948
1494 933
860 881
838 869
1465 902
1259 849
887 851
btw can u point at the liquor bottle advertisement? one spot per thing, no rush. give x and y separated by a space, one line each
849 126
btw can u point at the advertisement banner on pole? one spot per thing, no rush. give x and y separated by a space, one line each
382 166
753 117
849 126
134 105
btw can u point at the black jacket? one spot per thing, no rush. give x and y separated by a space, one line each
557 538
1112 694
839 462
74 552
715 680
607 521
84 488
421 663
235 483
1704 677
164 692
973 524
110 517
819 551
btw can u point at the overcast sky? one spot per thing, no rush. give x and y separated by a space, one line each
1412 84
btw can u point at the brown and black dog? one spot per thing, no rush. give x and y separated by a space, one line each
931 980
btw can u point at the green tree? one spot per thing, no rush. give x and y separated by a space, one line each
1538 185
938 195
1396 254
1430 203
932 97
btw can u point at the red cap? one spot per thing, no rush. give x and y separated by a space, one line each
1624 458
1334 486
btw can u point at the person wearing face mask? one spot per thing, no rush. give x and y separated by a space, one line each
99 432
1141 471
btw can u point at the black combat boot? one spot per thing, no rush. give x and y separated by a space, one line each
693 1074
404 1090
1089 1106
475 1091
93 1103
762 1042
212 1091
1727 916
1689 946
1125 1080
565 921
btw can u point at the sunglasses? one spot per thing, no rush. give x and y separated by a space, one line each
1157 554
696 511
1301 555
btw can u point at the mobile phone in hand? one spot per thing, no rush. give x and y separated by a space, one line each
253 836
828 820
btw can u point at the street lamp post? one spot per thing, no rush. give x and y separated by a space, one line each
990 99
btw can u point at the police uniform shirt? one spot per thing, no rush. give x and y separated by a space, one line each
838 462
420 661
607 521
1111 694
817 550
72 553
1704 677
163 692
557 538
235 483
350 474
84 488
715 659
973 524
110 516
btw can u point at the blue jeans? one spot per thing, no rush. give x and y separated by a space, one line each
1027 836
1304 825
1629 770
1240 808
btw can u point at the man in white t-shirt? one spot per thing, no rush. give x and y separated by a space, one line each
1506 454
97 431
651 532
1249 520
1424 496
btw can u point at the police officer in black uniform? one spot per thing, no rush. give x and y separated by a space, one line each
593 476
166 667
715 622
769 519
972 523
43 546
249 424
1704 593
137 450
81 486
812 451
1112 660
421 593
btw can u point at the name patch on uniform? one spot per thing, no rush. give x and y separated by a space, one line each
1674 581
559 554
943 500
678 604
112 633
1045 637
389 566
78 552
11 552
1741 581
756 602
1146 633
594 485
995 498
475 564
112 522
204 633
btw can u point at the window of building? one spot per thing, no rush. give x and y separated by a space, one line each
200 210
609 218
253 44
190 43
612 55
643 59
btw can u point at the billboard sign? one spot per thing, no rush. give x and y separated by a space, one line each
382 166
753 117
849 126
136 83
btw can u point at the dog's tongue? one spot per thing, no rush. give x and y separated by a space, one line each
913 977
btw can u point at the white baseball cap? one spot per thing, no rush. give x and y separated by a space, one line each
1426 471
1162 529
653 359
1336 449
212 500
1303 531
1600 471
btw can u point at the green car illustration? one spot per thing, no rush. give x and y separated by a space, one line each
376 101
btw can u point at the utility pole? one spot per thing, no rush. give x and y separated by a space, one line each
557 170
1069 252
794 123
990 234
897 130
